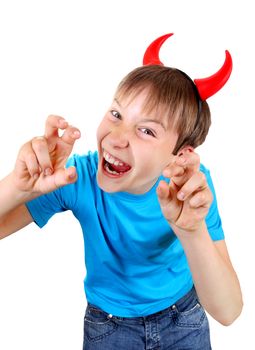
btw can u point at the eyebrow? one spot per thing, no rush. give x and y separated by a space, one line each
147 120
115 99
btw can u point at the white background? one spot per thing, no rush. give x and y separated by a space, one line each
66 58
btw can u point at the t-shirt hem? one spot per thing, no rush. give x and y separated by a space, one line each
111 308
217 235
35 213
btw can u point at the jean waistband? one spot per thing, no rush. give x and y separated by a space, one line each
190 295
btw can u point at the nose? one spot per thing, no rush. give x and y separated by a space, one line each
118 137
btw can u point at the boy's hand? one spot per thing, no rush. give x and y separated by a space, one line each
40 164
186 200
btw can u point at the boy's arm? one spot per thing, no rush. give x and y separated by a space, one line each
14 221
14 215
214 277
185 203
39 169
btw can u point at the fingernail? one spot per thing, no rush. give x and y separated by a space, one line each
181 196
76 133
72 175
182 160
48 171
35 176
167 173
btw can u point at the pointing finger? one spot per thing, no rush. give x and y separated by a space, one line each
53 123
40 148
28 161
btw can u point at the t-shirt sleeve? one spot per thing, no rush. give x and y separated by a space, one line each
213 220
44 207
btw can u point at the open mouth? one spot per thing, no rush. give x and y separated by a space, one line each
114 166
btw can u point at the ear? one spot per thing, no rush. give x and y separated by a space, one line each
184 150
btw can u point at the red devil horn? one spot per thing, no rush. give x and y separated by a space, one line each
209 86
151 55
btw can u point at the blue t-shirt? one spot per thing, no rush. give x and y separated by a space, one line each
135 265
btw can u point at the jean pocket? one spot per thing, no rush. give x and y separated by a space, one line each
98 324
192 316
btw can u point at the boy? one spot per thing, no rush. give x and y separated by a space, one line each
154 247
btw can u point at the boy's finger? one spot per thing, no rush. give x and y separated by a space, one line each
64 177
32 164
70 135
41 151
201 199
27 160
189 159
196 183
53 123
163 192
174 169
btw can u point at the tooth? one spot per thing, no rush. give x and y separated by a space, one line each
111 171
110 159
107 157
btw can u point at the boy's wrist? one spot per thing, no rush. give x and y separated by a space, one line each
21 195
190 234
11 196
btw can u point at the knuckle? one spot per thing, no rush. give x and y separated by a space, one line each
49 119
206 197
171 166
52 119
38 138
202 197
23 149
39 143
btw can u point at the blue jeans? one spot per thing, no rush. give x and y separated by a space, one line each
182 326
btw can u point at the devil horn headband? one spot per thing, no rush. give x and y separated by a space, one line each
207 86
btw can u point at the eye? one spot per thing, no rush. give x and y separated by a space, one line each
115 114
147 132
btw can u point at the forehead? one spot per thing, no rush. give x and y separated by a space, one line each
142 100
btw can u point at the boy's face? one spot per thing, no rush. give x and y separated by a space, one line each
133 147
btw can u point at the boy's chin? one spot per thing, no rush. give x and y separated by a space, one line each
107 186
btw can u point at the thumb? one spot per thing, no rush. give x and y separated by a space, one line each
65 176
164 193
